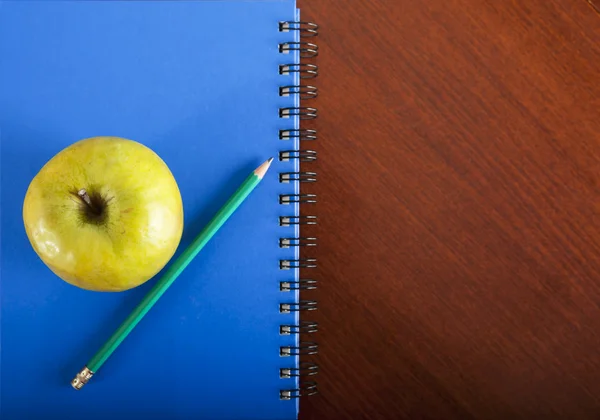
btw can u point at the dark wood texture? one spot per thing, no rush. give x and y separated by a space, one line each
459 236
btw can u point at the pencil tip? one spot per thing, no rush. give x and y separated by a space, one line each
262 169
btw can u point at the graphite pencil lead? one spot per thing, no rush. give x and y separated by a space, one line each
262 169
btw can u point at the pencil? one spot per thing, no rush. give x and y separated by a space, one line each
170 275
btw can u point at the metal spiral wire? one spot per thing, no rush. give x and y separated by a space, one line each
301 135
305 327
305 71
302 155
303 92
303 369
303 348
297 263
306 49
297 198
306 389
306 92
303 112
297 220
302 284
285 177
303 305
295 242
306 29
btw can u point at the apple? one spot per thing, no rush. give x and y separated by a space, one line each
104 214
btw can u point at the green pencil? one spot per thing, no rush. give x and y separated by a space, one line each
170 275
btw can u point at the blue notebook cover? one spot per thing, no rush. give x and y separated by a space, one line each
198 82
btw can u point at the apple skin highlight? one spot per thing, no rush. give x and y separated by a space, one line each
104 214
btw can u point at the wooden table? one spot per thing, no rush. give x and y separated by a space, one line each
459 235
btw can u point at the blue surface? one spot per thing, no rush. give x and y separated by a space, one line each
198 83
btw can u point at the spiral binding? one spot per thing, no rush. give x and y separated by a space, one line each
306 71
305 113
306 49
302 155
303 305
286 177
297 220
302 284
308 327
307 29
299 263
307 388
304 369
297 198
298 134
303 348
289 242
304 92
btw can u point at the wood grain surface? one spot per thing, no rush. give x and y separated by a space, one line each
459 235
594 5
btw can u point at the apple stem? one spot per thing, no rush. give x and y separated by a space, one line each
82 193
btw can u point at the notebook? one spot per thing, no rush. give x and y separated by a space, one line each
214 88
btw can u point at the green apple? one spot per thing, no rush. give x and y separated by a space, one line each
104 214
